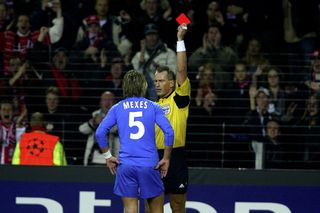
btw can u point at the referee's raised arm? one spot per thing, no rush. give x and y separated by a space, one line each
181 75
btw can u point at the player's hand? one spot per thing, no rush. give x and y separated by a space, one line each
112 164
163 167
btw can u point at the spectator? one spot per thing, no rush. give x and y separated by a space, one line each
46 15
23 79
10 132
101 9
253 128
153 53
92 154
54 114
159 13
60 73
237 95
214 15
271 78
308 128
237 105
213 50
37 147
5 21
23 40
301 26
62 123
275 146
206 83
312 80
114 29
257 118
93 41
278 94
254 57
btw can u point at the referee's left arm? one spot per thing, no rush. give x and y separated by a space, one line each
181 75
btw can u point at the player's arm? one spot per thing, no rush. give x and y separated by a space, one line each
104 127
181 75
101 134
111 161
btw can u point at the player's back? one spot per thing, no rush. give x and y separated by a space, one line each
136 117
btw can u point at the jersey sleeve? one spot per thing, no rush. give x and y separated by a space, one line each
164 124
104 127
184 89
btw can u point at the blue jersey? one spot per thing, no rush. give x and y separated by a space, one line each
136 118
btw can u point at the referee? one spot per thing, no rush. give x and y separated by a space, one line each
174 98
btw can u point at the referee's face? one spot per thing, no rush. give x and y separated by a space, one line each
162 84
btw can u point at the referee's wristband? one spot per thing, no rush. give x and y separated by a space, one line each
107 154
180 46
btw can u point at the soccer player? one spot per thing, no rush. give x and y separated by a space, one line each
138 169
174 98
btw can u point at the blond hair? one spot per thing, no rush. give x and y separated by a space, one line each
134 84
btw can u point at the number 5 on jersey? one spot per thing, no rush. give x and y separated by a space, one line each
133 122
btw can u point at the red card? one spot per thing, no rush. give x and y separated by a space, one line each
182 19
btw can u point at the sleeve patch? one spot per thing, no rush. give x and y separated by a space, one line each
181 101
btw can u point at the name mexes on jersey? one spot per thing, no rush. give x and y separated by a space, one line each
135 104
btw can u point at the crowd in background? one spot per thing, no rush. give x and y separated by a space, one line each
254 68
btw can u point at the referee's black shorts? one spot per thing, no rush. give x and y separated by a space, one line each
176 181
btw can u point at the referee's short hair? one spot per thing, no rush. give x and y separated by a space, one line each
171 75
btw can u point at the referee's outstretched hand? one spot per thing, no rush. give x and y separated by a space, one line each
182 29
112 164
163 166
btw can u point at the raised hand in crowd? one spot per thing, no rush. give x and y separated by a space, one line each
43 32
103 58
125 16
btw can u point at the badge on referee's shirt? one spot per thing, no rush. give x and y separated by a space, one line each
166 109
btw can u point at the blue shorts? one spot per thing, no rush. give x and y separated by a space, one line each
138 181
